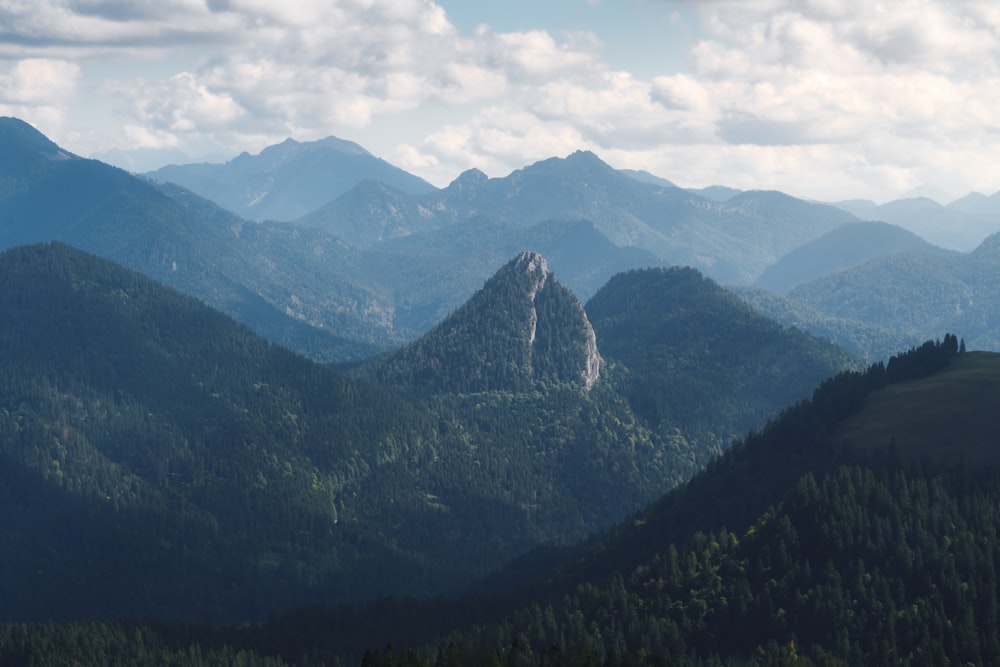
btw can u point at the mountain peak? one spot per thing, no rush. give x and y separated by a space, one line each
587 159
534 266
470 179
523 326
19 142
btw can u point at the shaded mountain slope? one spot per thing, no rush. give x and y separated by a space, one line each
699 359
841 248
293 286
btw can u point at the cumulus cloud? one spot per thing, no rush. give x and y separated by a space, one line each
39 88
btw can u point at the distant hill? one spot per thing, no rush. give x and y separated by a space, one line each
841 248
718 193
961 225
917 294
869 341
286 181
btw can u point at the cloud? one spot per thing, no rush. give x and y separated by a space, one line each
39 88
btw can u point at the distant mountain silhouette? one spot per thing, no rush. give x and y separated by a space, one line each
287 180
841 248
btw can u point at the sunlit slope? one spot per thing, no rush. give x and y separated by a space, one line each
952 415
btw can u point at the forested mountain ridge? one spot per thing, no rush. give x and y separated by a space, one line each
793 548
164 462
702 361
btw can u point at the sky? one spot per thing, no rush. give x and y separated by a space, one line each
822 99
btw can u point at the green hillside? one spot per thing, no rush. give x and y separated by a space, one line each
950 416
700 360
790 549
161 461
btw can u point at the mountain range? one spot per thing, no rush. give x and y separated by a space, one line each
545 443
288 180
961 225
377 266
168 462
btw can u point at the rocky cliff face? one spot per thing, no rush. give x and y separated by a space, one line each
583 339
523 326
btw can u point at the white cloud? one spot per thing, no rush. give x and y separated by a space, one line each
40 89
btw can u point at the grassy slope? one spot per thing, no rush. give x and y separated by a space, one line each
957 406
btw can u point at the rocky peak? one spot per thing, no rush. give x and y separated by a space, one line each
471 179
536 268
522 327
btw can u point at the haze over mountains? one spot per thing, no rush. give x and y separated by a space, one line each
363 272
541 377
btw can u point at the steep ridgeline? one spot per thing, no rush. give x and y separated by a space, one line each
521 328
702 361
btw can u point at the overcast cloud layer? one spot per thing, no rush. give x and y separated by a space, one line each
830 99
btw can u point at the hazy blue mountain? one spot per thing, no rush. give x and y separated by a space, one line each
915 295
869 341
293 285
719 193
290 179
841 248
731 241
646 177
423 294
961 225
